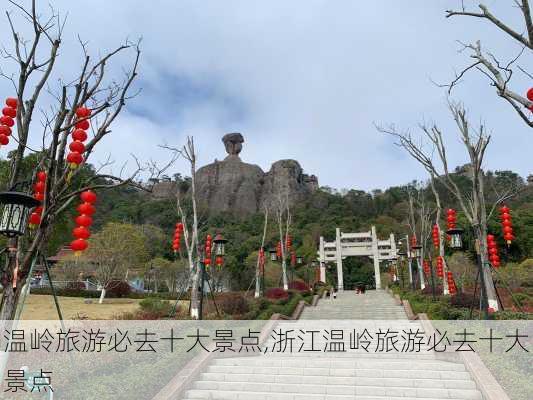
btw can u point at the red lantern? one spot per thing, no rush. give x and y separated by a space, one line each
8 121
35 219
39 186
39 196
79 135
219 261
83 124
12 102
88 196
4 140
81 232
86 208
83 220
5 130
41 176
278 250
9 112
74 159
77 146
83 112
78 246
293 258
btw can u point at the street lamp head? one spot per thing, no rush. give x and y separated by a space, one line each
416 251
14 211
299 259
273 254
456 240
220 244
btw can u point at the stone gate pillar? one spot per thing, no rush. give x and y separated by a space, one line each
322 261
338 253
375 254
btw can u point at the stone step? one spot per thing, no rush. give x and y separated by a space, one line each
341 372
230 389
336 363
234 395
413 382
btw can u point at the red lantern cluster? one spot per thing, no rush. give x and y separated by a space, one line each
451 283
83 222
278 251
77 147
262 259
7 120
427 268
207 249
440 266
176 243
507 224
451 220
39 188
414 242
492 246
293 259
288 243
436 238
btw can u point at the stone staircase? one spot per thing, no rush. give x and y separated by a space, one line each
338 376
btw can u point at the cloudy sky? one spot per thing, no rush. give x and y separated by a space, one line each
302 79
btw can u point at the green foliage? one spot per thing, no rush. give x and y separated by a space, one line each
155 306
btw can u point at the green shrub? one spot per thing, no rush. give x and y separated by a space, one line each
155 306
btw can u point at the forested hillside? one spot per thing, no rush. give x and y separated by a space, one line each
351 210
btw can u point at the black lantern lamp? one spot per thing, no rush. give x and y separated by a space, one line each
456 238
402 255
299 259
416 251
220 245
14 210
273 254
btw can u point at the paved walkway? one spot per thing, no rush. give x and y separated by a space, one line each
338 376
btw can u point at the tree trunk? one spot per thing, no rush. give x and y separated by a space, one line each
488 290
102 296
420 273
285 280
195 300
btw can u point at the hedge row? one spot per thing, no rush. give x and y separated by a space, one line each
94 294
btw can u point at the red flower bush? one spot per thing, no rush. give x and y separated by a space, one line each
276 294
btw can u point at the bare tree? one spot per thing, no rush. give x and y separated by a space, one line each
34 58
498 72
438 215
419 224
284 219
190 227
258 280
472 203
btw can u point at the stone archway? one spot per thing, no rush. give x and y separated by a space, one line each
362 244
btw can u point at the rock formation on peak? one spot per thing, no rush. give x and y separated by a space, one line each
234 186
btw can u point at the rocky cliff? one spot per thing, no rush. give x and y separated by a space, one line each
232 185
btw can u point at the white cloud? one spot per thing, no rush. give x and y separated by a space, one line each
301 79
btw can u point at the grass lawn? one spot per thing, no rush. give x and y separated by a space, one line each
43 307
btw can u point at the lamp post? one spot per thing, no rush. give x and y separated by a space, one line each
273 255
402 256
15 208
417 254
219 250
